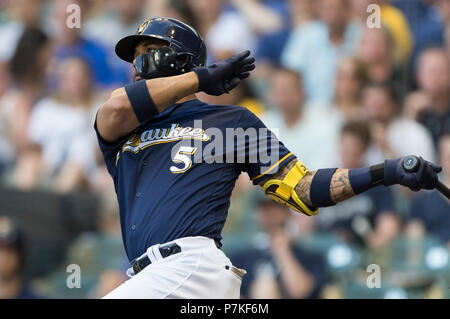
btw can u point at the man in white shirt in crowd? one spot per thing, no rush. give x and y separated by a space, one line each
225 31
392 135
315 48
312 131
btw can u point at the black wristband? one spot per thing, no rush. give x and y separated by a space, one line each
377 174
320 188
141 101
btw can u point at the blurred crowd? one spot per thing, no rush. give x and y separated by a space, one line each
343 83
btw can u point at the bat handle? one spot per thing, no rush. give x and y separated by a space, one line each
443 189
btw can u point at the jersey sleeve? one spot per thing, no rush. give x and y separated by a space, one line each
264 154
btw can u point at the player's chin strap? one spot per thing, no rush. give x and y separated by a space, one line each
283 191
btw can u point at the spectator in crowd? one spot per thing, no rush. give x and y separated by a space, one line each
351 78
27 69
180 10
226 32
415 103
433 77
314 49
241 95
425 22
69 42
7 152
240 227
376 52
61 154
100 255
276 267
390 18
368 220
12 257
115 20
261 17
320 72
395 21
444 9
430 210
21 14
392 135
271 45
301 128
90 248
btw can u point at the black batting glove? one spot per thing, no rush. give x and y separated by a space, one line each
225 75
424 176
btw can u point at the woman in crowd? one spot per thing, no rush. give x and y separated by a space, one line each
376 51
61 149
27 67
350 79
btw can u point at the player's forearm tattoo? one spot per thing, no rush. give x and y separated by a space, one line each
340 187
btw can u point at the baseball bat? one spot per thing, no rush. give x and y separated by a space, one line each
411 164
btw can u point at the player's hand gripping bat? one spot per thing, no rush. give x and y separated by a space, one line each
411 164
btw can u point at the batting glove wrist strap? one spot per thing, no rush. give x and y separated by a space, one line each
363 179
360 179
391 168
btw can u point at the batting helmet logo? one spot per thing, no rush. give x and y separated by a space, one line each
143 27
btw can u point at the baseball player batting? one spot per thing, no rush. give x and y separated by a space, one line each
172 208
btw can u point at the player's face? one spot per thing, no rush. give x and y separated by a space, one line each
144 47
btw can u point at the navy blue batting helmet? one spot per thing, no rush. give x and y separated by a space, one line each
181 37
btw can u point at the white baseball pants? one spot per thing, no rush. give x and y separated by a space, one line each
199 271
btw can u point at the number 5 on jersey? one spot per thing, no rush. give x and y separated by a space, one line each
182 157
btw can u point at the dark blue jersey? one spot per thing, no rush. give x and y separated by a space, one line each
174 175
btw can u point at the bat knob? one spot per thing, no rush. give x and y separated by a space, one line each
411 164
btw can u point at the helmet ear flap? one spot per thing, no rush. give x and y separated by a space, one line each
188 63
161 62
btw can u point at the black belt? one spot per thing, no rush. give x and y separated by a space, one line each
166 250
